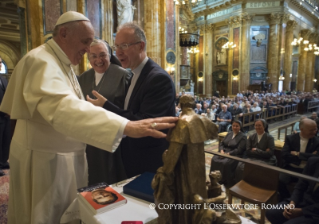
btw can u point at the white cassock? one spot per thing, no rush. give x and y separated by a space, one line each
47 154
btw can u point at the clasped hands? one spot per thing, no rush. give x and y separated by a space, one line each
293 212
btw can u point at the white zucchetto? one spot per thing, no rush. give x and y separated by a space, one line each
71 16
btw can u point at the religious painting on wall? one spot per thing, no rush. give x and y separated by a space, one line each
221 53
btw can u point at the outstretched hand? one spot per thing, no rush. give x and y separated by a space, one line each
149 127
99 101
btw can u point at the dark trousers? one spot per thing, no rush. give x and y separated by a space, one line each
222 126
284 180
5 139
275 216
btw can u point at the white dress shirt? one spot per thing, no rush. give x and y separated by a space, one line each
137 71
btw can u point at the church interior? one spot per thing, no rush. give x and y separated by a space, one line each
208 47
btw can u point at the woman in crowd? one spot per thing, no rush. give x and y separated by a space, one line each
260 147
233 144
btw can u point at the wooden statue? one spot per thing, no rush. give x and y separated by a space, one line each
183 173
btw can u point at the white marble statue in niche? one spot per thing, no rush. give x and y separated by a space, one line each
125 11
221 57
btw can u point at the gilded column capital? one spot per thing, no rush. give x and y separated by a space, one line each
285 17
247 18
305 33
234 21
313 38
291 25
274 18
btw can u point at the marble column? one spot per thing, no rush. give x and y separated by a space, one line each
230 52
274 50
244 75
208 58
107 21
302 61
152 28
179 51
291 25
310 68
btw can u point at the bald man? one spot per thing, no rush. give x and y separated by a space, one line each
298 148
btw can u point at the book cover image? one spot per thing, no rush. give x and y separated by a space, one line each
101 196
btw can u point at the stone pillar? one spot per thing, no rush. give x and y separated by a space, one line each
179 50
107 21
310 68
152 28
244 75
208 58
302 61
274 50
291 25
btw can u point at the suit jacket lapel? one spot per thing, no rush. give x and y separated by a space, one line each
140 80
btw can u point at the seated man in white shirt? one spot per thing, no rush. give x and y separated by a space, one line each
298 148
255 107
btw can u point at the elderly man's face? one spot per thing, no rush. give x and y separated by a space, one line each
224 108
78 40
130 57
99 58
309 130
103 196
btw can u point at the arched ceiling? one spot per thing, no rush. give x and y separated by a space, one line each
9 21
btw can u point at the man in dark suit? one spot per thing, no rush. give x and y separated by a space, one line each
151 94
304 201
298 148
5 137
111 81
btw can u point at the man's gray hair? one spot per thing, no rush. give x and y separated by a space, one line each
138 31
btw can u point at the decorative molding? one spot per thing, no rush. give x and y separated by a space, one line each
215 8
188 10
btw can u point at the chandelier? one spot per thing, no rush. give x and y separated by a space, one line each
229 45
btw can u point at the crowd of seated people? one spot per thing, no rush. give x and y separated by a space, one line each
247 102
300 152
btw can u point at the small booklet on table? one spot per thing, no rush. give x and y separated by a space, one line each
100 198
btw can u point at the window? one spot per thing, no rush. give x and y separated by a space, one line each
4 68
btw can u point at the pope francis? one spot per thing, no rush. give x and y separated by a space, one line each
47 154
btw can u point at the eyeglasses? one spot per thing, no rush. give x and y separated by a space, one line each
101 56
123 47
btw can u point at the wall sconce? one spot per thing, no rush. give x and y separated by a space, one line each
229 45
193 50
281 78
170 70
200 79
315 80
290 75
235 78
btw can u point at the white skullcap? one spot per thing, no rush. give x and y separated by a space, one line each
71 16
